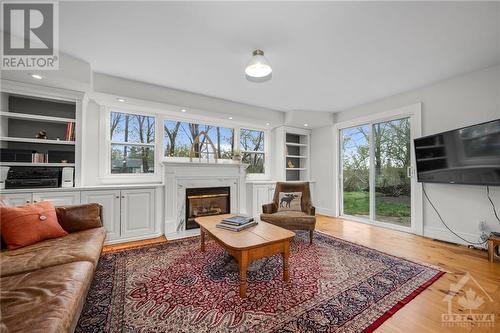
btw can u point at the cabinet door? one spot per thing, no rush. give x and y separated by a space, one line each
261 198
17 199
110 202
138 214
58 198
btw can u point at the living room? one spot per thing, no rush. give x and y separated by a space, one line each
250 166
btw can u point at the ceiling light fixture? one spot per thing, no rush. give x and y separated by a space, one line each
121 100
258 68
267 124
230 118
183 110
36 76
306 125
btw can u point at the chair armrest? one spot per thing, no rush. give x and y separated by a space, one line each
310 210
269 208
79 217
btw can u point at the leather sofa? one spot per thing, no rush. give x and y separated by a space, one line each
44 286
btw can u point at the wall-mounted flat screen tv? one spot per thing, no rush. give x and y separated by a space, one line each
469 155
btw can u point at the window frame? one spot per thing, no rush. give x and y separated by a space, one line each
236 127
106 176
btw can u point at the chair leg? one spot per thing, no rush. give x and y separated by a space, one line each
311 233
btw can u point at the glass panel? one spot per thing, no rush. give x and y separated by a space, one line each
132 128
251 140
391 159
132 159
356 171
180 136
255 161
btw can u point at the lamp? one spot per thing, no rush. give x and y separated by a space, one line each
258 68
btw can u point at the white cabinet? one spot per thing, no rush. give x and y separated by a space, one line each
17 199
137 212
58 198
110 202
259 194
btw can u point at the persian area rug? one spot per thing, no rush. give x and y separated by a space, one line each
334 286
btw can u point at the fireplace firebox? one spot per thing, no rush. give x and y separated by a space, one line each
205 202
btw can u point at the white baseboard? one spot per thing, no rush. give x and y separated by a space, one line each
445 235
325 211
132 239
183 234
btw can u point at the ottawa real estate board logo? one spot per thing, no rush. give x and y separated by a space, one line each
30 35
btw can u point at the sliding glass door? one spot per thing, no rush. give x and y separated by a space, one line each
375 172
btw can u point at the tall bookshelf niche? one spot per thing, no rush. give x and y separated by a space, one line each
296 157
23 117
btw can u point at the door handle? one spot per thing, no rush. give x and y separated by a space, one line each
409 172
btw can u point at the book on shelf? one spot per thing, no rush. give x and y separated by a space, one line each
39 157
237 220
236 227
70 131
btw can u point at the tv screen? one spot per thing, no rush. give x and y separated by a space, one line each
469 155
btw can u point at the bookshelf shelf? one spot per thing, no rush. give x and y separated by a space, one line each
37 164
42 141
34 117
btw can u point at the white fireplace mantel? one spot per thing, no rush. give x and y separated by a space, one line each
180 174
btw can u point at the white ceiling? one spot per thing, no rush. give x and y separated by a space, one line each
326 56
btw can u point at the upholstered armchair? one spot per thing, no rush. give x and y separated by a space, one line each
300 219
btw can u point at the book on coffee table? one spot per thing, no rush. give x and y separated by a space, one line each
236 227
237 220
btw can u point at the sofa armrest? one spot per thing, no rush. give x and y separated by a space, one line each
79 217
269 208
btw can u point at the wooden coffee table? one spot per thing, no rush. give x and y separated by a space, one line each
262 240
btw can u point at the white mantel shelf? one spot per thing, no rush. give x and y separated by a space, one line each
172 161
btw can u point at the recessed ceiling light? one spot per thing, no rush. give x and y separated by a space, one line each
36 76
183 110
267 124
305 125
230 118
121 100
258 68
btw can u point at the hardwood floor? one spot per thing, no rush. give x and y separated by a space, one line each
423 313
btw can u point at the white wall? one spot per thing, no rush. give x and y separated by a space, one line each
456 102
322 170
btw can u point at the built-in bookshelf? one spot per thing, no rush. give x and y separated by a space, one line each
37 132
292 154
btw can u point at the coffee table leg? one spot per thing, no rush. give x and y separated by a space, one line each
286 251
202 233
243 273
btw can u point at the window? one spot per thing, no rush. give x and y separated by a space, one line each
252 150
179 138
132 143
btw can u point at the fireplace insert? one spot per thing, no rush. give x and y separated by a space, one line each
205 202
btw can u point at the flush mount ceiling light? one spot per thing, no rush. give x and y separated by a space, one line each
121 100
36 76
258 68
183 110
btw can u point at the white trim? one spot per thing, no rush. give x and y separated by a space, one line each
325 212
414 112
445 235
131 239
376 223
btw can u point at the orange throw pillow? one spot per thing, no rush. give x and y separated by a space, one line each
29 224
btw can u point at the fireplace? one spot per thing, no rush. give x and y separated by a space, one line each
205 202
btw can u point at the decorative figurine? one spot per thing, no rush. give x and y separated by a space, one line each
42 135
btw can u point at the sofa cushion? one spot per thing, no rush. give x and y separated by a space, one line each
46 300
79 217
291 220
29 224
79 246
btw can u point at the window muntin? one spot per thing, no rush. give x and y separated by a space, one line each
132 143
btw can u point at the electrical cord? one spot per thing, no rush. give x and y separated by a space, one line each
444 223
492 203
